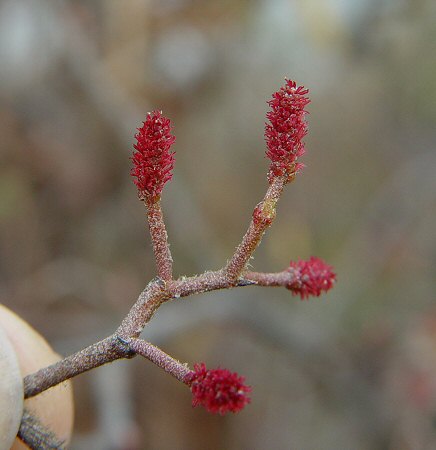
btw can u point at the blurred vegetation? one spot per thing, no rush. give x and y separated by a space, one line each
352 370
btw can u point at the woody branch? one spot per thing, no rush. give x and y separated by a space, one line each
217 390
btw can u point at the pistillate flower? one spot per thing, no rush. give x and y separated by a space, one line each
218 390
311 277
286 129
152 159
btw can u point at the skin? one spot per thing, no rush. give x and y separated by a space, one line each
54 408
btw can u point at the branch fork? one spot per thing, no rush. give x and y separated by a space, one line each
218 390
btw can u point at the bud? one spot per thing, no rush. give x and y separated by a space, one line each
218 390
152 160
286 129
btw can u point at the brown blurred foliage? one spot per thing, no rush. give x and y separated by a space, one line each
353 369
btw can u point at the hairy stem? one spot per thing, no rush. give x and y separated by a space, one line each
163 288
159 239
120 344
263 216
284 278
142 311
160 358
95 355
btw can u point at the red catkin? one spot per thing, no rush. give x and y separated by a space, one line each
218 390
152 159
286 129
311 277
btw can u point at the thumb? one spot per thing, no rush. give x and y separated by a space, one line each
54 408
11 392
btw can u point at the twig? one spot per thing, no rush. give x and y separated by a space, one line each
160 358
142 311
34 434
218 390
95 355
280 279
116 346
263 216
159 239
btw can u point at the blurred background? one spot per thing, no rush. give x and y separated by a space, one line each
354 369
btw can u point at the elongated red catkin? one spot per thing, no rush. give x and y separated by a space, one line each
286 128
152 159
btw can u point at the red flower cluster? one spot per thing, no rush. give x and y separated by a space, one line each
311 277
218 390
286 129
152 161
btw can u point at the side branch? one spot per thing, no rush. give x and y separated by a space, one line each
263 216
305 278
124 343
285 278
95 355
159 239
160 358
